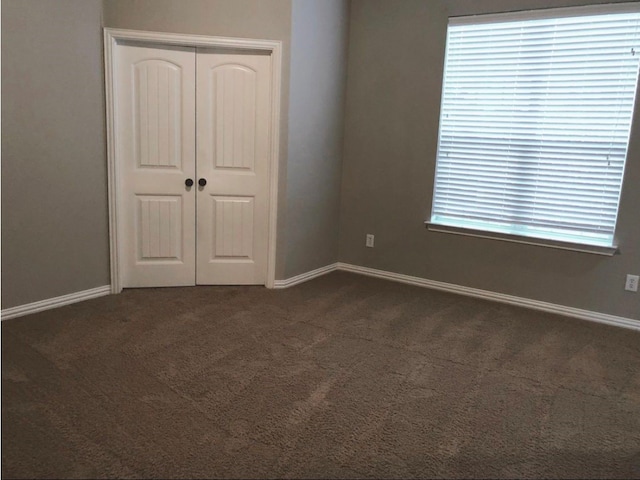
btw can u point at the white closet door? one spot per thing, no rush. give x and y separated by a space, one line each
155 112
233 129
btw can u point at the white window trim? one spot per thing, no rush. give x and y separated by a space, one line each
630 7
540 242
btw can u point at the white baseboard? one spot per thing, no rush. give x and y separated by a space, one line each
372 272
50 303
305 277
496 297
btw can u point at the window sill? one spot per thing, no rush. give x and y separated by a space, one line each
541 242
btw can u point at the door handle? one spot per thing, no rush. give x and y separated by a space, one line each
202 182
188 182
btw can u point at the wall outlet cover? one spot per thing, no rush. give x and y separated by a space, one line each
370 240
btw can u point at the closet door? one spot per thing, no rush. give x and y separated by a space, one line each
155 115
233 129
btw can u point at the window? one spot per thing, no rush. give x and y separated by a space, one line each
535 121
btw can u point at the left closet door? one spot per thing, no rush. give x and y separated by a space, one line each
155 123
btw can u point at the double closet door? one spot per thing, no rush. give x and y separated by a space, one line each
193 147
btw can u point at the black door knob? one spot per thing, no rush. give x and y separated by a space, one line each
202 182
188 182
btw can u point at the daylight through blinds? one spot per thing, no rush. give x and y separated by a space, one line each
534 125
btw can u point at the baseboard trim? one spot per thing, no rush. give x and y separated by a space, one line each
589 315
305 277
496 297
56 302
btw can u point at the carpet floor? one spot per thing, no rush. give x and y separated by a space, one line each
342 377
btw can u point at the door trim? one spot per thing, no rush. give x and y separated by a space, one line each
111 39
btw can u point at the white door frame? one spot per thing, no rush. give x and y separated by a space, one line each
111 38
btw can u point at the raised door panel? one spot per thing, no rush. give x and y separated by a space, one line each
233 229
233 113
155 117
157 113
159 229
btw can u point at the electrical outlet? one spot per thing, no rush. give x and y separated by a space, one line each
632 283
370 239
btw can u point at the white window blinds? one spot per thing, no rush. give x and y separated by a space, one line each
534 126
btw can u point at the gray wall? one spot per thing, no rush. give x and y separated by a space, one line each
318 81
54 201
261 19
396 55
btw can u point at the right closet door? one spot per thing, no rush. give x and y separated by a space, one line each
233 127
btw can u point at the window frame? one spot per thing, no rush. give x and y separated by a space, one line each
547 13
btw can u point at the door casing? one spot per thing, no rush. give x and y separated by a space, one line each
111 39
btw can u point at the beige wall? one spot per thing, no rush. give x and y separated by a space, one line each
54 201
261 19
318 81
396 55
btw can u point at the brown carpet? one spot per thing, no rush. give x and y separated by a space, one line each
344 376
